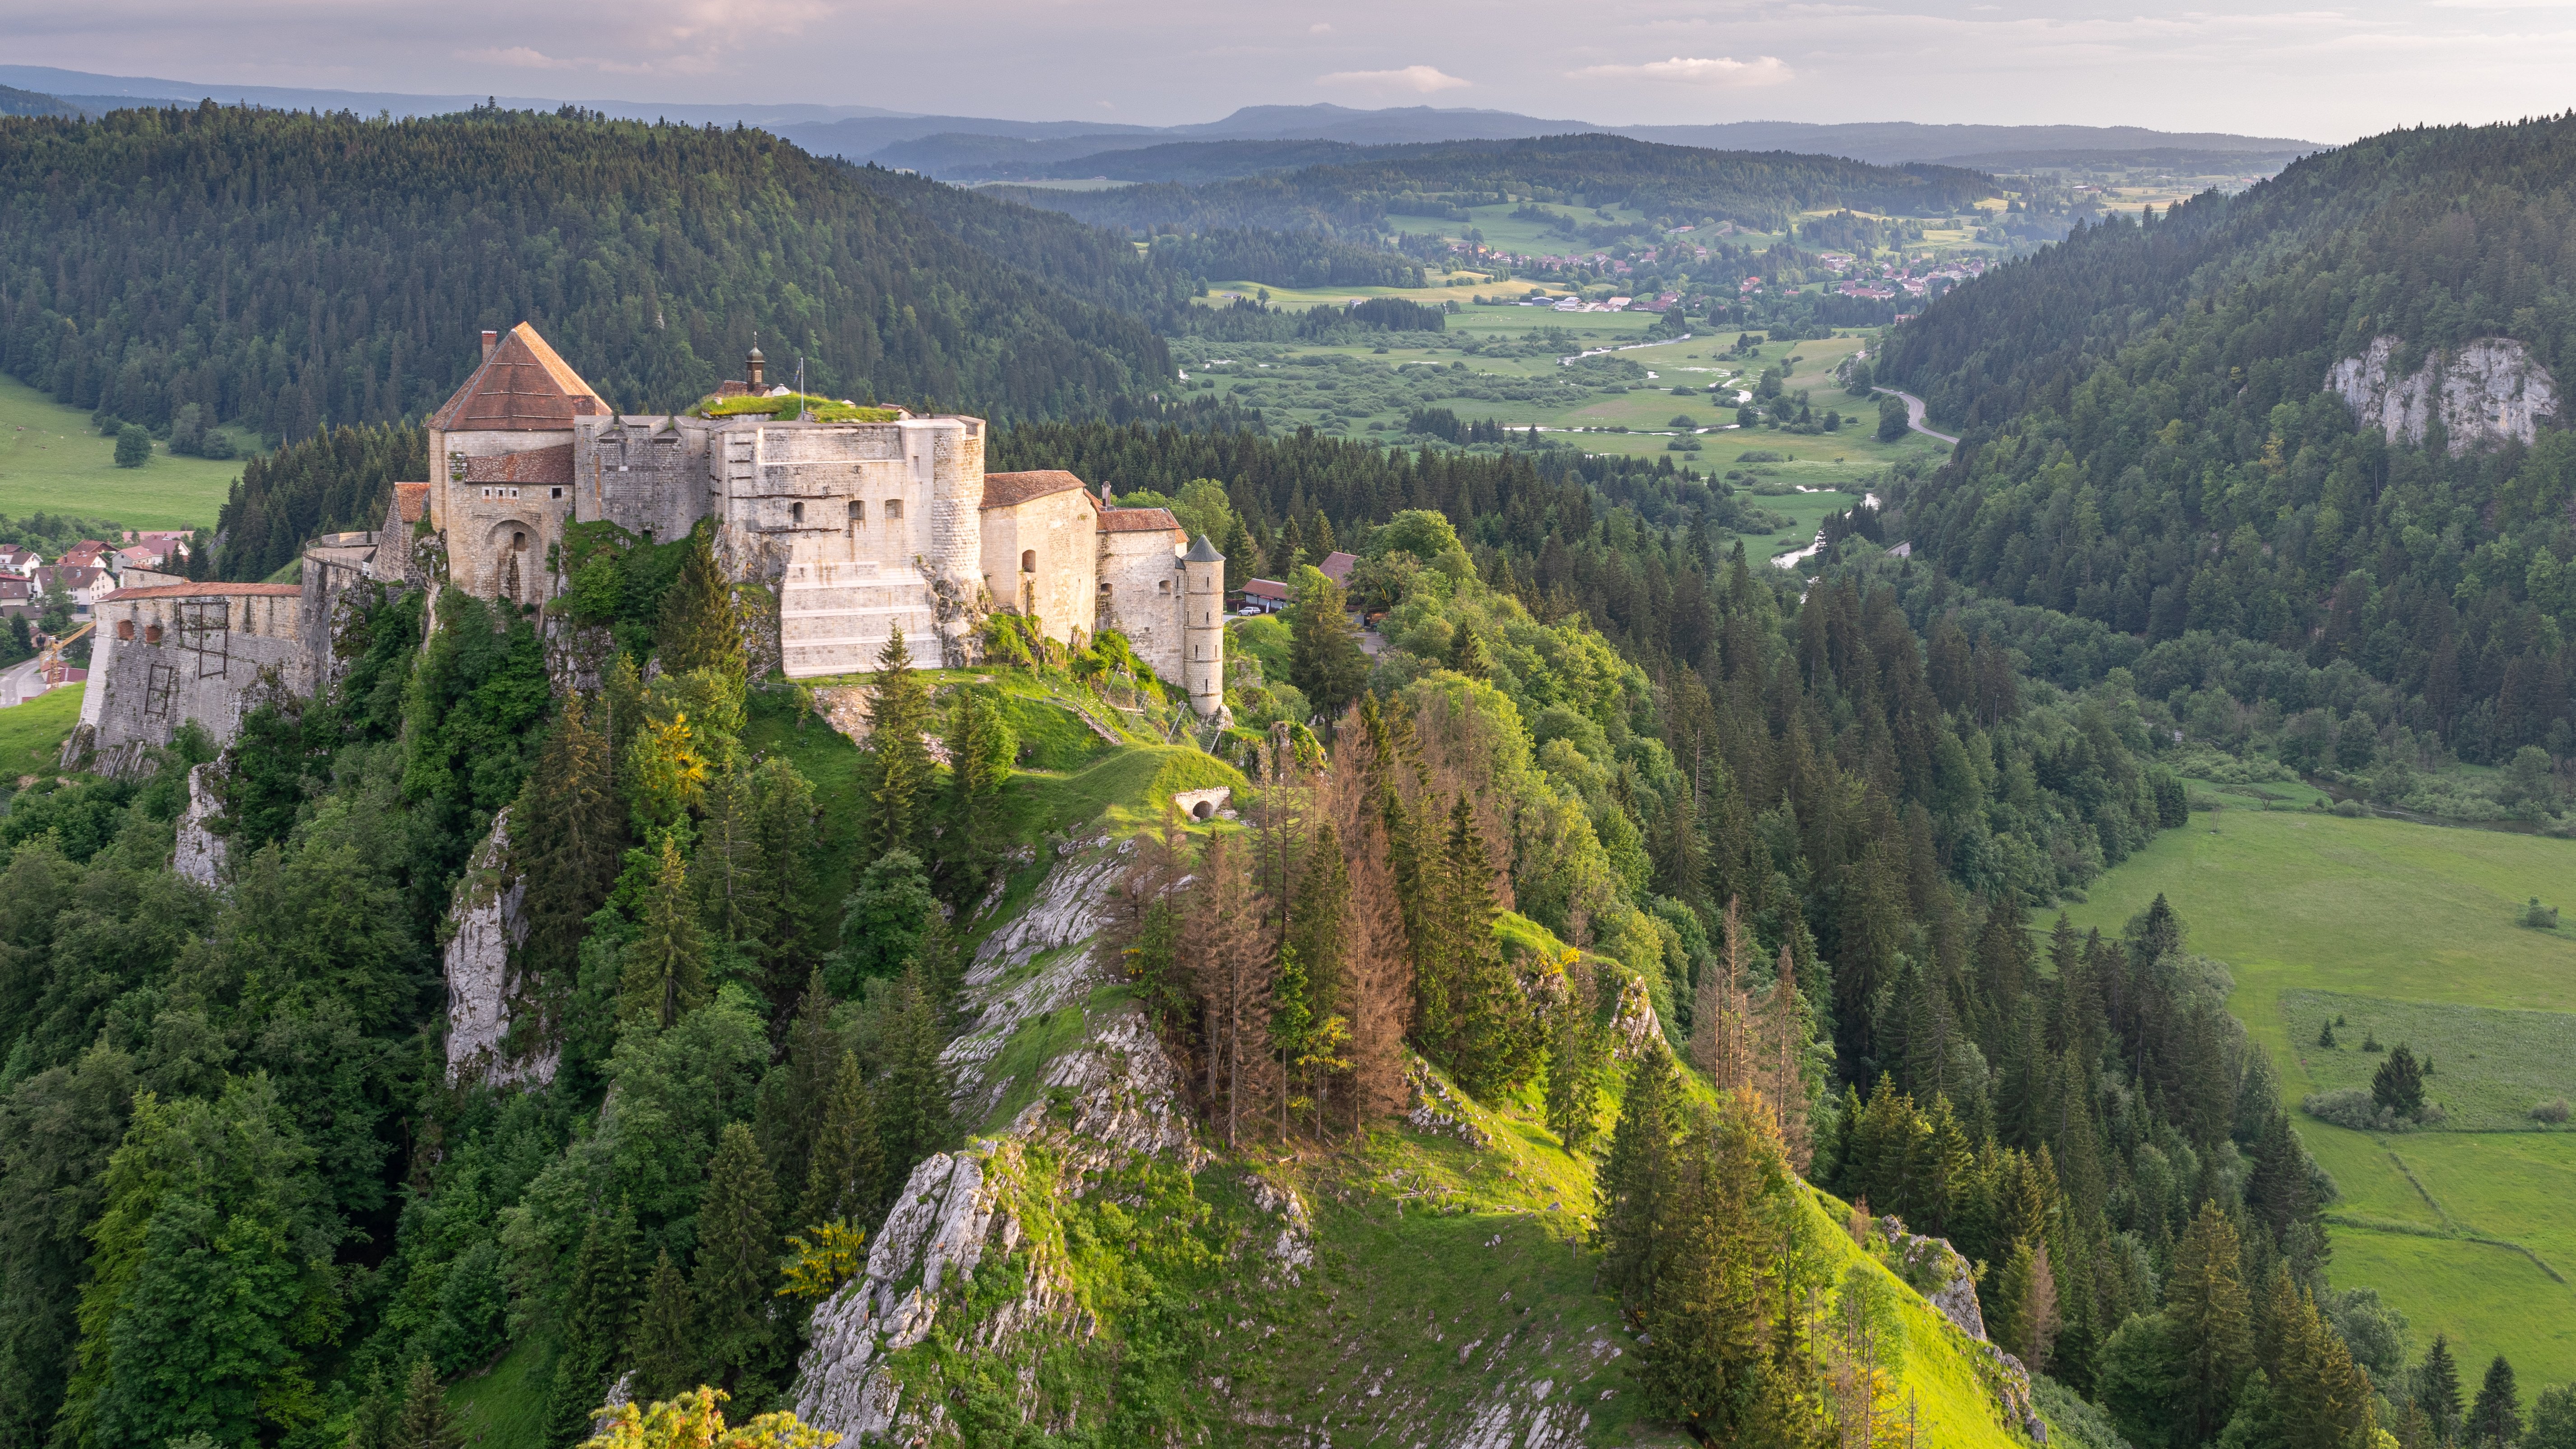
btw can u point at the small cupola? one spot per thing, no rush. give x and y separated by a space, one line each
754 366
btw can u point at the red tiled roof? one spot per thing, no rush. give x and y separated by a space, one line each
522 387
1138 520
537 465
1265 588
206 591
1002 490
411 501
1337 565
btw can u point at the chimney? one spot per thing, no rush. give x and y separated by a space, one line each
491 339
753 366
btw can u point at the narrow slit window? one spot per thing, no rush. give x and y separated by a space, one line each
1028 560
796 513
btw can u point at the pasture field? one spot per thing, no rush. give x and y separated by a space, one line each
1638 421
2490 1067
32 734
52 461
2466 1232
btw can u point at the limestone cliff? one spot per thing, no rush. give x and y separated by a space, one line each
485 915
200 852
2482 394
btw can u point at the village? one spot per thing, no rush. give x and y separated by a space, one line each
49 604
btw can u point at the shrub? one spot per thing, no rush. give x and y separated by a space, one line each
2370 1042
133 446
2553 1111
1761 455
2351 809
2539 917
1682 420
2352 1107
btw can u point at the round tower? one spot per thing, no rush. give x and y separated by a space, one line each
1203 626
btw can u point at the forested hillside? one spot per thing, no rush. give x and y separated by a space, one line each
1355 198
284 270
1808 835
2152 445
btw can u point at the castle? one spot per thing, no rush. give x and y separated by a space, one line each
856 528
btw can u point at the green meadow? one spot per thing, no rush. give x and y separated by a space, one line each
2408 932
52 461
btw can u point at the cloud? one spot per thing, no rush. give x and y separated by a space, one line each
1423 78
1320 27
1768 70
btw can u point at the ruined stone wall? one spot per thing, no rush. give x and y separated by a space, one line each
211 657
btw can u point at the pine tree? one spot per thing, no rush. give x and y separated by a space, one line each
1292 1027
2398 1085
599 1310
425 1421
1377 964
1495 1043
1720 1037
1231 970
914 1089
846 1179
2495 1416
666 1335
700 626
981 747
2437 1389
665 970
2211 1315
737 1257
1785 1031
1323 899
725 868
899 765
1325 662
1240 557
567 841
782 824
1578 1053
2318 1397
1467 654
1635 1179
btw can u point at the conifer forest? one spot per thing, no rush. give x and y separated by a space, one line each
1604 977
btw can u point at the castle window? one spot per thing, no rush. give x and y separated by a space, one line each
894 510
858 511
1104 591
1028 560
796 513
1163 586
554 493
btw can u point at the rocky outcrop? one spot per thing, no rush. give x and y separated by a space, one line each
200 853
1936 1270
1433 1106
2484 393
485 914
1109 1096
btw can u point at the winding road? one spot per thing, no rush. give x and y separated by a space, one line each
1914 415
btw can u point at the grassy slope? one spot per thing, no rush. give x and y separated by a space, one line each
32 734
2297 901
1425 1245
51 460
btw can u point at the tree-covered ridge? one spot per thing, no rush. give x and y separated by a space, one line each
284 270
1356 198
2152 445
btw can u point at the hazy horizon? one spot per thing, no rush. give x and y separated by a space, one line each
2325 74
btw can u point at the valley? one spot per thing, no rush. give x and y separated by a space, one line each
2463 1227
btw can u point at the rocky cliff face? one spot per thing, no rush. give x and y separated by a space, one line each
200 853
2485 393
1106 1098
486 917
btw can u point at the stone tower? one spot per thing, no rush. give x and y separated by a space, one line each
1203 626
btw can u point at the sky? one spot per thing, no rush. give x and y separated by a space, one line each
2263 68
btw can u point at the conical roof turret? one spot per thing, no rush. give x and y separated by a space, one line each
1203 552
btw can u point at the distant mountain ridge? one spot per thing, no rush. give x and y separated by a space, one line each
865 133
